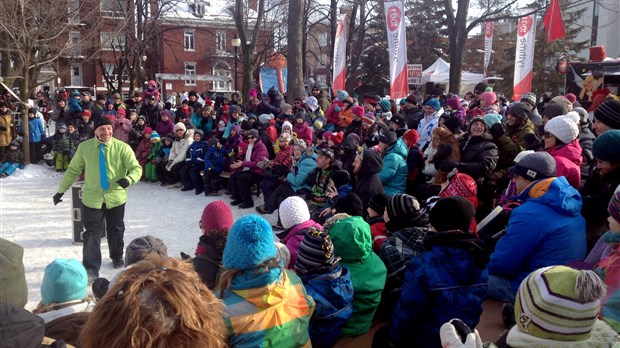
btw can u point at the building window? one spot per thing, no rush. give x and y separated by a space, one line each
222 69
75 48
200 9
111 41
220 41
189 40
321 80
190 69
112 8
73 10
323 60
111 70
76 75
322 39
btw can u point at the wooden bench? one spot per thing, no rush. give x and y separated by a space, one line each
226 175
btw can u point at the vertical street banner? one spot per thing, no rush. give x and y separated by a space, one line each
340 56
397 47
524 59
488 44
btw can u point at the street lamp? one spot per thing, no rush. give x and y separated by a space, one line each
236 42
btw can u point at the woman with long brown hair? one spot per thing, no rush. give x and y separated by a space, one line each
156 304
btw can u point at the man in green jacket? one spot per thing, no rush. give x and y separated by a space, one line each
110 166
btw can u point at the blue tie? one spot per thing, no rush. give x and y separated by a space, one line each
103 170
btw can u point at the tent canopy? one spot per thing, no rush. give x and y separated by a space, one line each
439 72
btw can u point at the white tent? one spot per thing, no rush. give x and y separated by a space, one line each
439 72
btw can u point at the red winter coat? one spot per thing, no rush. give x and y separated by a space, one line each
568 161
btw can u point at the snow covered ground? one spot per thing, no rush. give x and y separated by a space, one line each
29 218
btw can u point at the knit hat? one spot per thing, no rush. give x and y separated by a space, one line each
462 185
350 204
253 133
87 113
116 96
357 111
474 120
103 121
64 280
265 118
179 125
121 111
584 118
454 102
253 93
520 111
452 213
378 202
535 166
213 141
340 177
342 95
61 125
327 152
529 98
613 208
411 137
555 109
368 119
236 128
154 135
564 128
559 303
147 130
316 254
337 138
388 137
609 113
489 97
434 103
571 98
385 104
402 206
399 120
481 87
312 103
12 274
301 143
606 147
491 119
412 99
216 216
234 108
293 211
250 242
145 247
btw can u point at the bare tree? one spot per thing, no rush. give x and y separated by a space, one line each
248 30
295 38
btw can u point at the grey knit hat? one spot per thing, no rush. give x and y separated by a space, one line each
143 247
535 166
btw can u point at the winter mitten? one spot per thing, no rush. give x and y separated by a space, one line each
100 287
442 153
337 108
455 334
123 182
497 130
57 198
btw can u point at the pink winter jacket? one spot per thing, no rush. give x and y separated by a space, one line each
295 236
568 161
122 128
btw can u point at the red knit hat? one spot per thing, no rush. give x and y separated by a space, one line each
368 119
357 111
462 185
216 216
411 137
337 138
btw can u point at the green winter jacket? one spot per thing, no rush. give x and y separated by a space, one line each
393 174
121 163
353 243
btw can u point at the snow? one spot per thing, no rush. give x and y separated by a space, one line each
29 218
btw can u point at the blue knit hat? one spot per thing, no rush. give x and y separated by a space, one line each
433 103
385 105
607 146
342 95
250 243
64 280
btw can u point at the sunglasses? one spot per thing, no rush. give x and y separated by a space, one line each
547 134
250 138
180 130
315 89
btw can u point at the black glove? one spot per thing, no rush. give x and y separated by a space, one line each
446 165
66 152
442 153
532 142
100 287
185 257
57 198
497 130
2 128
204 121
124 183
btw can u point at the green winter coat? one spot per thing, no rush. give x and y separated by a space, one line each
353 243
393 174
121 163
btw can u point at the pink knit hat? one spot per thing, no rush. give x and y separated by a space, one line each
489 97
216 216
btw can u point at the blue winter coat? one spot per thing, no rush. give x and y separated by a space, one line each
205 128
393 175
73 106
546 230
196 152
333 295
442 283
297 178
214 159
35 129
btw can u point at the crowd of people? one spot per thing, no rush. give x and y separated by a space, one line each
413 211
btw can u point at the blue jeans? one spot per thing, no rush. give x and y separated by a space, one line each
501 289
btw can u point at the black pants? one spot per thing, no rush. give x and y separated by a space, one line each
190 177
36 153
95 220
173 175
211 181
240 185
281 193
268 185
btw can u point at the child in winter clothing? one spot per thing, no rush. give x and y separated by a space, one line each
265 305
328 283
213 166
12 159
138 131
339 188
85 126
352 242
231 146
74 139
144 149
73 105
194 164
162 156
295 217
61 147
375 210
122 126
151 159
36 132
448 280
